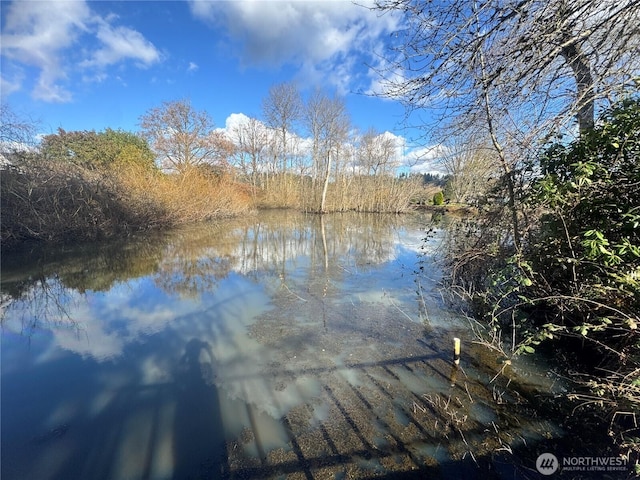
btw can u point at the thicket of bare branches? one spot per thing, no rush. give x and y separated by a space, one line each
541 62
65 202
513 73
44 200
16 131
183 137
471 170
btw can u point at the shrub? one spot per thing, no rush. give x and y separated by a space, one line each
95 150
56 201
588 243
53 201
196 194
576 281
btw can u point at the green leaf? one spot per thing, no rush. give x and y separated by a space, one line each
582 329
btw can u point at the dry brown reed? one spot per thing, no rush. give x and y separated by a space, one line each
44 200
280 191
380 194
191 196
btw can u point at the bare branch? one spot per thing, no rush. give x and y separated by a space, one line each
183 137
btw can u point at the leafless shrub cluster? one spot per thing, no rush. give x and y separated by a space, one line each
52 201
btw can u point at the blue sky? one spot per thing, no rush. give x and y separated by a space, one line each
91 65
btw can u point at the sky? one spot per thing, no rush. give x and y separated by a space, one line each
91 65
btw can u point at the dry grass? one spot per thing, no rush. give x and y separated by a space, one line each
381 194
193 196
280 191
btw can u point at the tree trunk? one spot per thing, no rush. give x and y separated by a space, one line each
584 85
326 184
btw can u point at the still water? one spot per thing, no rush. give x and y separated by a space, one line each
280 346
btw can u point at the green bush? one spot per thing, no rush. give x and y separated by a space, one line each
438 198
588 243
90 149
575 284
578 274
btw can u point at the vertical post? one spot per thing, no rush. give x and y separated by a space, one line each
456 351
453 376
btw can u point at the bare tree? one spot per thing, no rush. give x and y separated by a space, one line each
183 137
282 109
376 152
512 71
558 56
470 167
328 122
251 140
313 121
17 132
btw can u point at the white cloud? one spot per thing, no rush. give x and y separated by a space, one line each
427 159
57 38
193 67
328 42
95 78
235 121
48 90
7 87
35 32
119 44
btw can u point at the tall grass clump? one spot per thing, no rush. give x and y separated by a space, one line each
379 194
280 190
194 195
356 193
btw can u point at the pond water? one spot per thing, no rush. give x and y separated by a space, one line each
280 346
